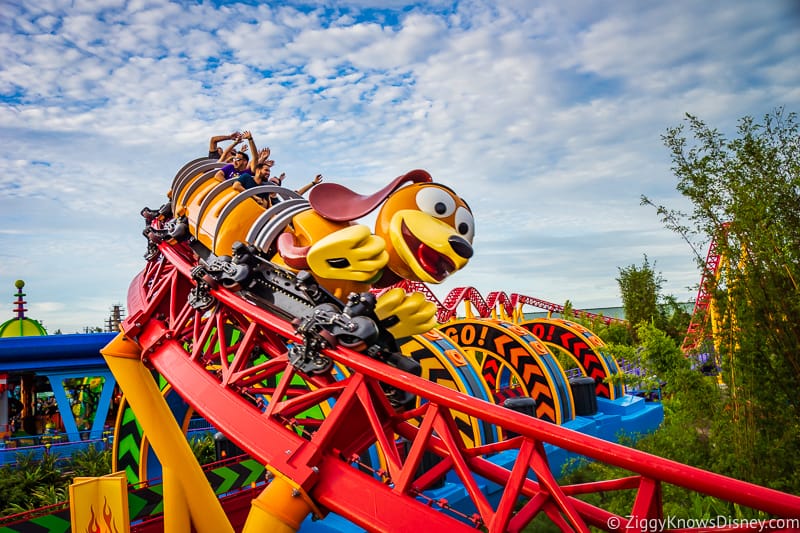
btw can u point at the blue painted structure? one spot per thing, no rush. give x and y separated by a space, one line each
53 352
60 357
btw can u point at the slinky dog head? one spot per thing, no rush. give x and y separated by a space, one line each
428 229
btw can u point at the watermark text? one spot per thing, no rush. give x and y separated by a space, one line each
657 525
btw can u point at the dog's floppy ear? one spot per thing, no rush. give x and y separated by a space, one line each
338 203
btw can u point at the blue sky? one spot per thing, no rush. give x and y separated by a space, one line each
546 116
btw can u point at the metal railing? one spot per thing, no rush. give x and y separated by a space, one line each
55 444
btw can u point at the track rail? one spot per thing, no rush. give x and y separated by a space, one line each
494 300
697 331
248 389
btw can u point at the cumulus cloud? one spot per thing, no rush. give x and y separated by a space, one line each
547 118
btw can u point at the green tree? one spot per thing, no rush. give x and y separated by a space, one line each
203 448
640 290
745 194
673 317
19 484
91 462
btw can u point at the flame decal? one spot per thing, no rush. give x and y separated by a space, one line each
94 526
108 517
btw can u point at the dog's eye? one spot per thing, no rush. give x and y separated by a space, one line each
435 202
465 223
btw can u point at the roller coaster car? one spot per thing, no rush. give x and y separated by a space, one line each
423 232
310 262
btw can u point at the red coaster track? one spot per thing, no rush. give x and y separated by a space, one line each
698 330
224 380
484 307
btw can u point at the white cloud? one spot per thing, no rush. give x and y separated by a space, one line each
546 117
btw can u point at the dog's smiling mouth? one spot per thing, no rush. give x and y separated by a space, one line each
439 266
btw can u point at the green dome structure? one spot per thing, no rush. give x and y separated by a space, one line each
21 326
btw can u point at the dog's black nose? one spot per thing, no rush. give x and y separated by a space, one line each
460 246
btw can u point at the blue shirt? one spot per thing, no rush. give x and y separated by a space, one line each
248 182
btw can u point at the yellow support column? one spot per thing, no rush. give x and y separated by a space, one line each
123 357
280 508
468 310
503 314
176 510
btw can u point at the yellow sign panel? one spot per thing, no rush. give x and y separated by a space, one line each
99 504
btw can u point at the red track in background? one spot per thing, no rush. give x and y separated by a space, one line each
222 379
495 299
698 325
